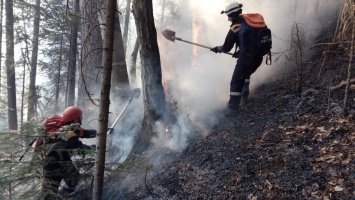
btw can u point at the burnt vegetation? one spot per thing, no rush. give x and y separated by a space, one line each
295 140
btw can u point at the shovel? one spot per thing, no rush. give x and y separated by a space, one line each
136 93
170 35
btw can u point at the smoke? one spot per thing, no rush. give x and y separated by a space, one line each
122 138
199 84
203 89
120 141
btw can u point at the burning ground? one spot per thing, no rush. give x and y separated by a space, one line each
280 146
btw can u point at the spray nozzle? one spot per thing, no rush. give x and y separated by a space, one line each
222 12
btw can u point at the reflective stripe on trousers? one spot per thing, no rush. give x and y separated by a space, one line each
235 93
239 93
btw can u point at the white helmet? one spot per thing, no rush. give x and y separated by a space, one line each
232 7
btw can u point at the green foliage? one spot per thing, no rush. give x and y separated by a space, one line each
18 177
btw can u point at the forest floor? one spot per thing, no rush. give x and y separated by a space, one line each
280 146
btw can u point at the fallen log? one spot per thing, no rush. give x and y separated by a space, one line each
342 84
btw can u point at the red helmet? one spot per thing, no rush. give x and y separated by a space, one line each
72 113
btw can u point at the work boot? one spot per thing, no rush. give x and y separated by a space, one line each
245 94
234 102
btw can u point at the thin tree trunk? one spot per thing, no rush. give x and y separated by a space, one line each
299 62
104 99
26 60
10 66
73 54
59 67
32 97
126 24
23 92
78 99
345 108
1 12
133 68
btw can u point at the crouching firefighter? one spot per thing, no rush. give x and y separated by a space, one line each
252 38
61 139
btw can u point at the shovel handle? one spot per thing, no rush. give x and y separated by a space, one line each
123 110
119 116
28 148
200 45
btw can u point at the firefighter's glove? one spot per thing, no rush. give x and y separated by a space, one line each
89 133
216 49
235 54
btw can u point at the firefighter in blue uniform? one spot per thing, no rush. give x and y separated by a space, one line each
247 62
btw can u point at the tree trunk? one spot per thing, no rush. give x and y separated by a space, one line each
126 24
91 54
32 96
73 53
104 99
120 81
154 96
10 66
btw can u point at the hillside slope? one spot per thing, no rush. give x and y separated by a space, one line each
280 146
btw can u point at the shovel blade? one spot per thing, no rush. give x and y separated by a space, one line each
169 35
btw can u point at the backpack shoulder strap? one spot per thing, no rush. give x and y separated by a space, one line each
254 20
235 28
